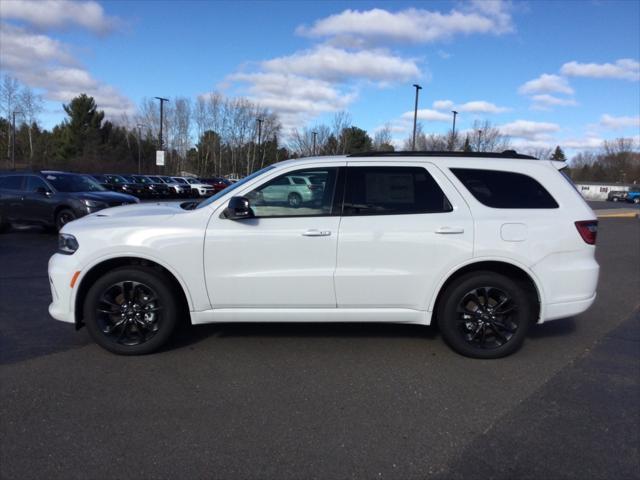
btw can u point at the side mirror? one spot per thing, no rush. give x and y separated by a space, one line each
238 208
43 191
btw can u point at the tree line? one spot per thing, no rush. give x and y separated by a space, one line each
235 136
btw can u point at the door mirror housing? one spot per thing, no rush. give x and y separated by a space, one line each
43 191
238 209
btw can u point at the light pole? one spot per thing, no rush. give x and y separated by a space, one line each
13 139
415 116
140 125
162 100
479 140
315 134
453 131
259 120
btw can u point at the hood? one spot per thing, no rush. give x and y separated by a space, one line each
107 197
141 210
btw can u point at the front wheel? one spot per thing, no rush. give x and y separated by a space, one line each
131 310
485 315
63 217
615 199
295 200
636 200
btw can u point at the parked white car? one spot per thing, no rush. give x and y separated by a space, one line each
484 245
198 188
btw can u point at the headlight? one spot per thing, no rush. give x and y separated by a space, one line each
93 203
67 244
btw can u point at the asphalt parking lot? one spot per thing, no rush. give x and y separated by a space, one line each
320 401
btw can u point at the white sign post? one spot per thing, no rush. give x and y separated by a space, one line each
160 158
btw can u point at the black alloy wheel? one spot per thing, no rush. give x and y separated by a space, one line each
63 217
485 314
131 310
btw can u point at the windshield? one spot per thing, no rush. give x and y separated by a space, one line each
142 180
74 183
192 181
230 188
116 179
156 179
179 180
129 179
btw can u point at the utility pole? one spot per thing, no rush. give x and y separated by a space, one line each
13 139
139 125
415 116
315 134
479 140
260 120
453 131
162 100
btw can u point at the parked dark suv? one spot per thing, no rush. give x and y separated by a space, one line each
53 199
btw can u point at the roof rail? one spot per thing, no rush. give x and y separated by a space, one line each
431 153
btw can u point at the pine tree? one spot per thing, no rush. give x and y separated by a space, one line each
467 145
558 154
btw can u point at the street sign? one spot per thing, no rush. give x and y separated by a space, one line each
160 158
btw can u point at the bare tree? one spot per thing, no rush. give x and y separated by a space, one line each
382 140
484 137
542 153
31 106
9 99
341 121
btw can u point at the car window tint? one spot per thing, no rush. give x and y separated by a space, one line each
392 191
499 189
282 198
11 182
34 183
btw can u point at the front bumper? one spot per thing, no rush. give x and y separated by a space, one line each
61 271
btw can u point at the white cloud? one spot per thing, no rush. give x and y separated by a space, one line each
476 106
48 14
379 26
529 130
45 63
443 104
294 98
480 106
335 64
585 143
428 115
545 101
618 123
625 69
546 83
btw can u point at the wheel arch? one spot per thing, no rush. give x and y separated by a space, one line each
503 267
104 266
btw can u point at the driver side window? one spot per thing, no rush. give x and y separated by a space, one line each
299 193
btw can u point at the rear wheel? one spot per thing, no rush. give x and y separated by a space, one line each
485 315
636 200
131 310
63 217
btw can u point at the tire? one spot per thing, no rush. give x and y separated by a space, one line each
636 200
63 217
615 199
295 200
144 307
478 332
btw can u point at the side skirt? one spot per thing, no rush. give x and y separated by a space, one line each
320 315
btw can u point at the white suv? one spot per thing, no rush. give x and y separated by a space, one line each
483 245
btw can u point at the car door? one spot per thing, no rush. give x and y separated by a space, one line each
38 203
284 257
403 227
11 197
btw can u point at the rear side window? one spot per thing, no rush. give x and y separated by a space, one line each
498 189
12 182
392 191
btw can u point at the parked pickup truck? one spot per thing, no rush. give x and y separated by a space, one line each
633 195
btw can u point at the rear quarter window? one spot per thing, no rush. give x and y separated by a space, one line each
499 189
11 182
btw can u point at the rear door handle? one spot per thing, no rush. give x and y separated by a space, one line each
449 230
317 233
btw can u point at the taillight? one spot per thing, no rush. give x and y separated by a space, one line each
588 230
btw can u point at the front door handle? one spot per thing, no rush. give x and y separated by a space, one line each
449 230
316 233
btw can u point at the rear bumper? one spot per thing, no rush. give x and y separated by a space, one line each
554 311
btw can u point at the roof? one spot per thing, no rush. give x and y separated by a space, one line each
431 153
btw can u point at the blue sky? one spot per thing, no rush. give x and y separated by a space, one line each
545 72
